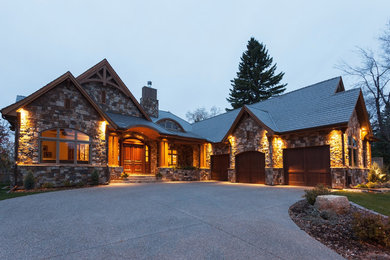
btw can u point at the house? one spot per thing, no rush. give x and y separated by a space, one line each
74 126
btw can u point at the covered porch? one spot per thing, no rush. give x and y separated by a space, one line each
144 151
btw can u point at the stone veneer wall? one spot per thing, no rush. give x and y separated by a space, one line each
150 105
47 112
174 174
62 175
116 100
249 136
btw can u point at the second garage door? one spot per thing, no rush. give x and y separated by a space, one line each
307 166
250 167
219 167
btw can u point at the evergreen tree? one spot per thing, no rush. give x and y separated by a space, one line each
256 80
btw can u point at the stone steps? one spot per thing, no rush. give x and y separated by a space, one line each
138 179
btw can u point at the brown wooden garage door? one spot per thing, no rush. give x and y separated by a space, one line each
219 167
250 167
307 166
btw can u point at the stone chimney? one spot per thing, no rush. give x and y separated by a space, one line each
149 100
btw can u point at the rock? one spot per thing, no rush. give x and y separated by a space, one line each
335 203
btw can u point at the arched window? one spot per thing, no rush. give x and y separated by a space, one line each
170 125
62 145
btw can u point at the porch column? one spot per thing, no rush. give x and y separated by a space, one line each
203 163
163 153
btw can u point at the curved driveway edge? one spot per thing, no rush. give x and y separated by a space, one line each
198 220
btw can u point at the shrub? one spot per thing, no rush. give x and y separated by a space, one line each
95 178
29 181
361 186
312 194
47 185
79 184
377 174
67 183
372 228
124 175
159 175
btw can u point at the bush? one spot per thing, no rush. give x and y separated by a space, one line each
29 181
79 184
124 175
311 195
67 183
95 178
159 175
377 174
372 228
361 186
47 185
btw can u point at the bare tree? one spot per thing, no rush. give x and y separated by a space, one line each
201 113
373 76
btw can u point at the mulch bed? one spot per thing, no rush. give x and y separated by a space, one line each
335 231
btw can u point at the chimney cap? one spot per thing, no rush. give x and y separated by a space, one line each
149 83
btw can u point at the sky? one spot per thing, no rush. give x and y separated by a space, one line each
190 50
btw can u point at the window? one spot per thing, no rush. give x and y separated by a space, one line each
170 125
172 157
352 151
103 96
146 153
64 145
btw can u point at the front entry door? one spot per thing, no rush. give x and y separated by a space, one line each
133 158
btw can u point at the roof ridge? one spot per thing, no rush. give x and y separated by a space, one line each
299 89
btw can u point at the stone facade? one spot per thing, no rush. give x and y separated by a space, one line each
115 100
174 174
250 136
48 112
62 175
149 101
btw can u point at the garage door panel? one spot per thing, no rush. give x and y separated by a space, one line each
219 167
307 166
250 167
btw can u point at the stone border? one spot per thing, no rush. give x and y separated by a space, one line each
368 210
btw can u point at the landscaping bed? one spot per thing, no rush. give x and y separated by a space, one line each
336 231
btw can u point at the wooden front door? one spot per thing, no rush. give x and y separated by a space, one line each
133 158
250 167
307 166
219 167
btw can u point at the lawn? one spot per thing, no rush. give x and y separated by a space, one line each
379 202
4 195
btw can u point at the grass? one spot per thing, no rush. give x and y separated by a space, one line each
379 202
4 195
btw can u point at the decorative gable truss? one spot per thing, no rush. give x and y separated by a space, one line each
103 73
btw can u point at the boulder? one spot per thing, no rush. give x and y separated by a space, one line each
335 203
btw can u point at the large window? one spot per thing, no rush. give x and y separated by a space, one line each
352 151
63 145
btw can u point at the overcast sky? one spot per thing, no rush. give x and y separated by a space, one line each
190 50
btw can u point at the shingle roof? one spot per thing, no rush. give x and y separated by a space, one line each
312 106
166 114
215 128
126 122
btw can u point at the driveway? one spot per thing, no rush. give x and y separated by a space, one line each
209 220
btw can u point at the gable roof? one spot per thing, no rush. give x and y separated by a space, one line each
322 104
104 73
11 109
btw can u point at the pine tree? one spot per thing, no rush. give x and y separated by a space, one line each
256 80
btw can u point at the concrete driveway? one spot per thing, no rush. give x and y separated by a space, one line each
196 220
